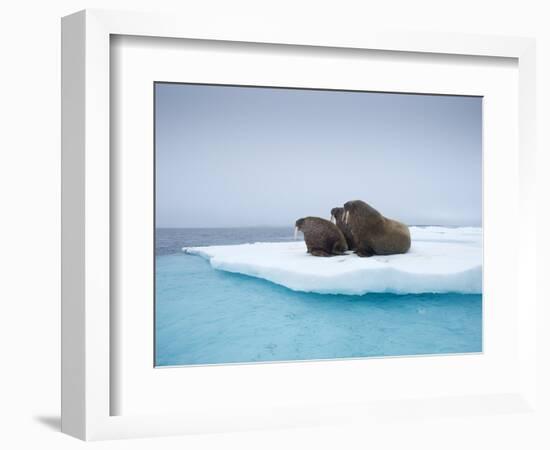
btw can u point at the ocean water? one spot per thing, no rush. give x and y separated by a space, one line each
207 316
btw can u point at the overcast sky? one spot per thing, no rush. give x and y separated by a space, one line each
242 156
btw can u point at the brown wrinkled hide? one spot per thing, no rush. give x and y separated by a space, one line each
375 234
322 237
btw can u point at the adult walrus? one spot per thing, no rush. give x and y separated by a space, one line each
375 234
323 238
337 216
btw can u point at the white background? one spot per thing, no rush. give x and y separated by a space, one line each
30 138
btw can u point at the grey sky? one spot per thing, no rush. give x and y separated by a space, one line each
241 156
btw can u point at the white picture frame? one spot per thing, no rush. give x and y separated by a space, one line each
87 328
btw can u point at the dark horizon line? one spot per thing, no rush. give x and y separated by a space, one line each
292 226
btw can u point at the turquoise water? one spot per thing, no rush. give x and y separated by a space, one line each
206 316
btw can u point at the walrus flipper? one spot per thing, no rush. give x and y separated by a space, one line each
318 252
339 249
365 252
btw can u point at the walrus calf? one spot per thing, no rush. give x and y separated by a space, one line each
373 233
337 217
323 238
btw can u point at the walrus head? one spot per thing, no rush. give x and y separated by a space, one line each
358 210
336 214
349 208
298 227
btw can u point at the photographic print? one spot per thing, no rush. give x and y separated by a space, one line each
306 224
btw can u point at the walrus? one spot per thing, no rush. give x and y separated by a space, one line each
323 238
337 217
373 233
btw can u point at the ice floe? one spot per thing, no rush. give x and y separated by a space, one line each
440 260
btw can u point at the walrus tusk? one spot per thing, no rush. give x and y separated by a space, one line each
295 233
346 216
332 219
